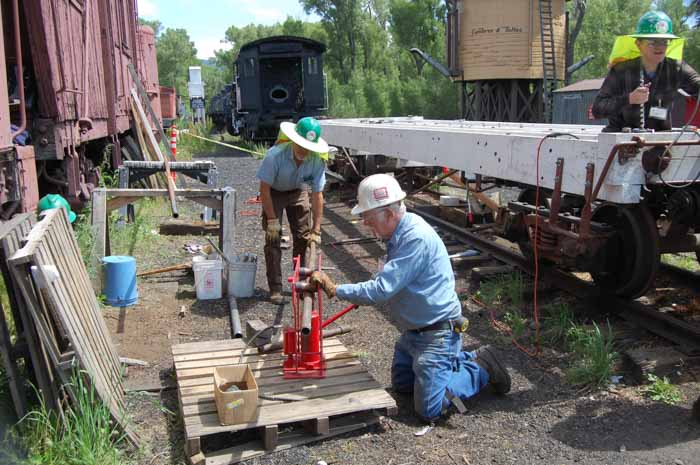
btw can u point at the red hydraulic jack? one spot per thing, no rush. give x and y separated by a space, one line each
303 342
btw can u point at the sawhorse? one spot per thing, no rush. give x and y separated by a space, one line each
133 171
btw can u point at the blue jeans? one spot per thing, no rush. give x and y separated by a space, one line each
432 363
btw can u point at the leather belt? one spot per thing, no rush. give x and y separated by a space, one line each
439 326
293 191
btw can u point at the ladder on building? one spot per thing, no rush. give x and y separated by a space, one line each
549 68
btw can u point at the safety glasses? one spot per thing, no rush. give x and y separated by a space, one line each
657 42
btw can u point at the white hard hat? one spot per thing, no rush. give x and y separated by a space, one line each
376 191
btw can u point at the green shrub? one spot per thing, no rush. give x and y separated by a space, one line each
662 390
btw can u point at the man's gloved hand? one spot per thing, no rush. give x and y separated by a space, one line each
319 278
314 237
272 233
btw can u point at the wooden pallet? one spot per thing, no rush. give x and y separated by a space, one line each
342 401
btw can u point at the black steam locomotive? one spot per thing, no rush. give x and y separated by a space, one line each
276 79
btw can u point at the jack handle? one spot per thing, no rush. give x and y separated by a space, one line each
331 319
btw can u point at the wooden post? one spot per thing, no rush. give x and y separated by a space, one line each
228 225
99 231
269 437
123 184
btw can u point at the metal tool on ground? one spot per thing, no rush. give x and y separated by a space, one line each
218 250
277 342
182 266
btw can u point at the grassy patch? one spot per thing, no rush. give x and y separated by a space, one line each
85 435
503 290
556 320
187 146
127 238
594 355
687 261
662 390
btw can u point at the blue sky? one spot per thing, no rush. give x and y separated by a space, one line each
207 21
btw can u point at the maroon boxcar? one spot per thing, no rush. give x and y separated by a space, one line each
168 103
78 103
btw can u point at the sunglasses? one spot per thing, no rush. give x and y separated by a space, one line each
657 42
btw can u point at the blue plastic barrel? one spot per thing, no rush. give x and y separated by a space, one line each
119 283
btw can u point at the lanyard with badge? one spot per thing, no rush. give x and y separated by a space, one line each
655 112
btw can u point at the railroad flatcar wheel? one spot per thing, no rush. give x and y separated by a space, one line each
528 196
628 262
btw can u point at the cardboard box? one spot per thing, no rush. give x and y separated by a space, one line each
239 406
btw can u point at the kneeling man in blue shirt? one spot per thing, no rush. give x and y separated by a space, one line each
417 283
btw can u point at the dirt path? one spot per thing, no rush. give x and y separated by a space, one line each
543 420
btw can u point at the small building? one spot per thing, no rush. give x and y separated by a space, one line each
573 104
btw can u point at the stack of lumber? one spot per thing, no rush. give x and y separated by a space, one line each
57 315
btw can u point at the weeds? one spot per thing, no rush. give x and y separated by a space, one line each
557 320
84 435
662 390
188 147
506 290
516 321
594 355
687 261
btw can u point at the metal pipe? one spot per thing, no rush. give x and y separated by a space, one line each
20 71
236 331
308 297
338 315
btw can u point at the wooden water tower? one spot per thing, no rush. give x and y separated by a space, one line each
507 55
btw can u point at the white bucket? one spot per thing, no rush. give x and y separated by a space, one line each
241 275
207 278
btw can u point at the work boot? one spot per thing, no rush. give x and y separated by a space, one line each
498 376
276 296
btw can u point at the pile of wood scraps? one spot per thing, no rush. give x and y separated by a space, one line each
59 315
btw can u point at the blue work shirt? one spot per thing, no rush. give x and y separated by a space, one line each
280 171
417 280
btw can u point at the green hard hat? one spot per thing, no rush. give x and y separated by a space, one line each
655 25
306 133
50 201
309 129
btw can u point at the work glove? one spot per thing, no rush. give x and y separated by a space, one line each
319 278
272 233
314 237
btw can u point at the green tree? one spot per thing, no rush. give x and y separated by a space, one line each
215 78
605 20
176 53
341 19
154 24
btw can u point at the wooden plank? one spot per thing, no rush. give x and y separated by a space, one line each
170 184
228 224
187 193
363 382
288 440
99 225
248 359
201 346
62 251
173 227
263 369
297 411
329 346
71 297
11 234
